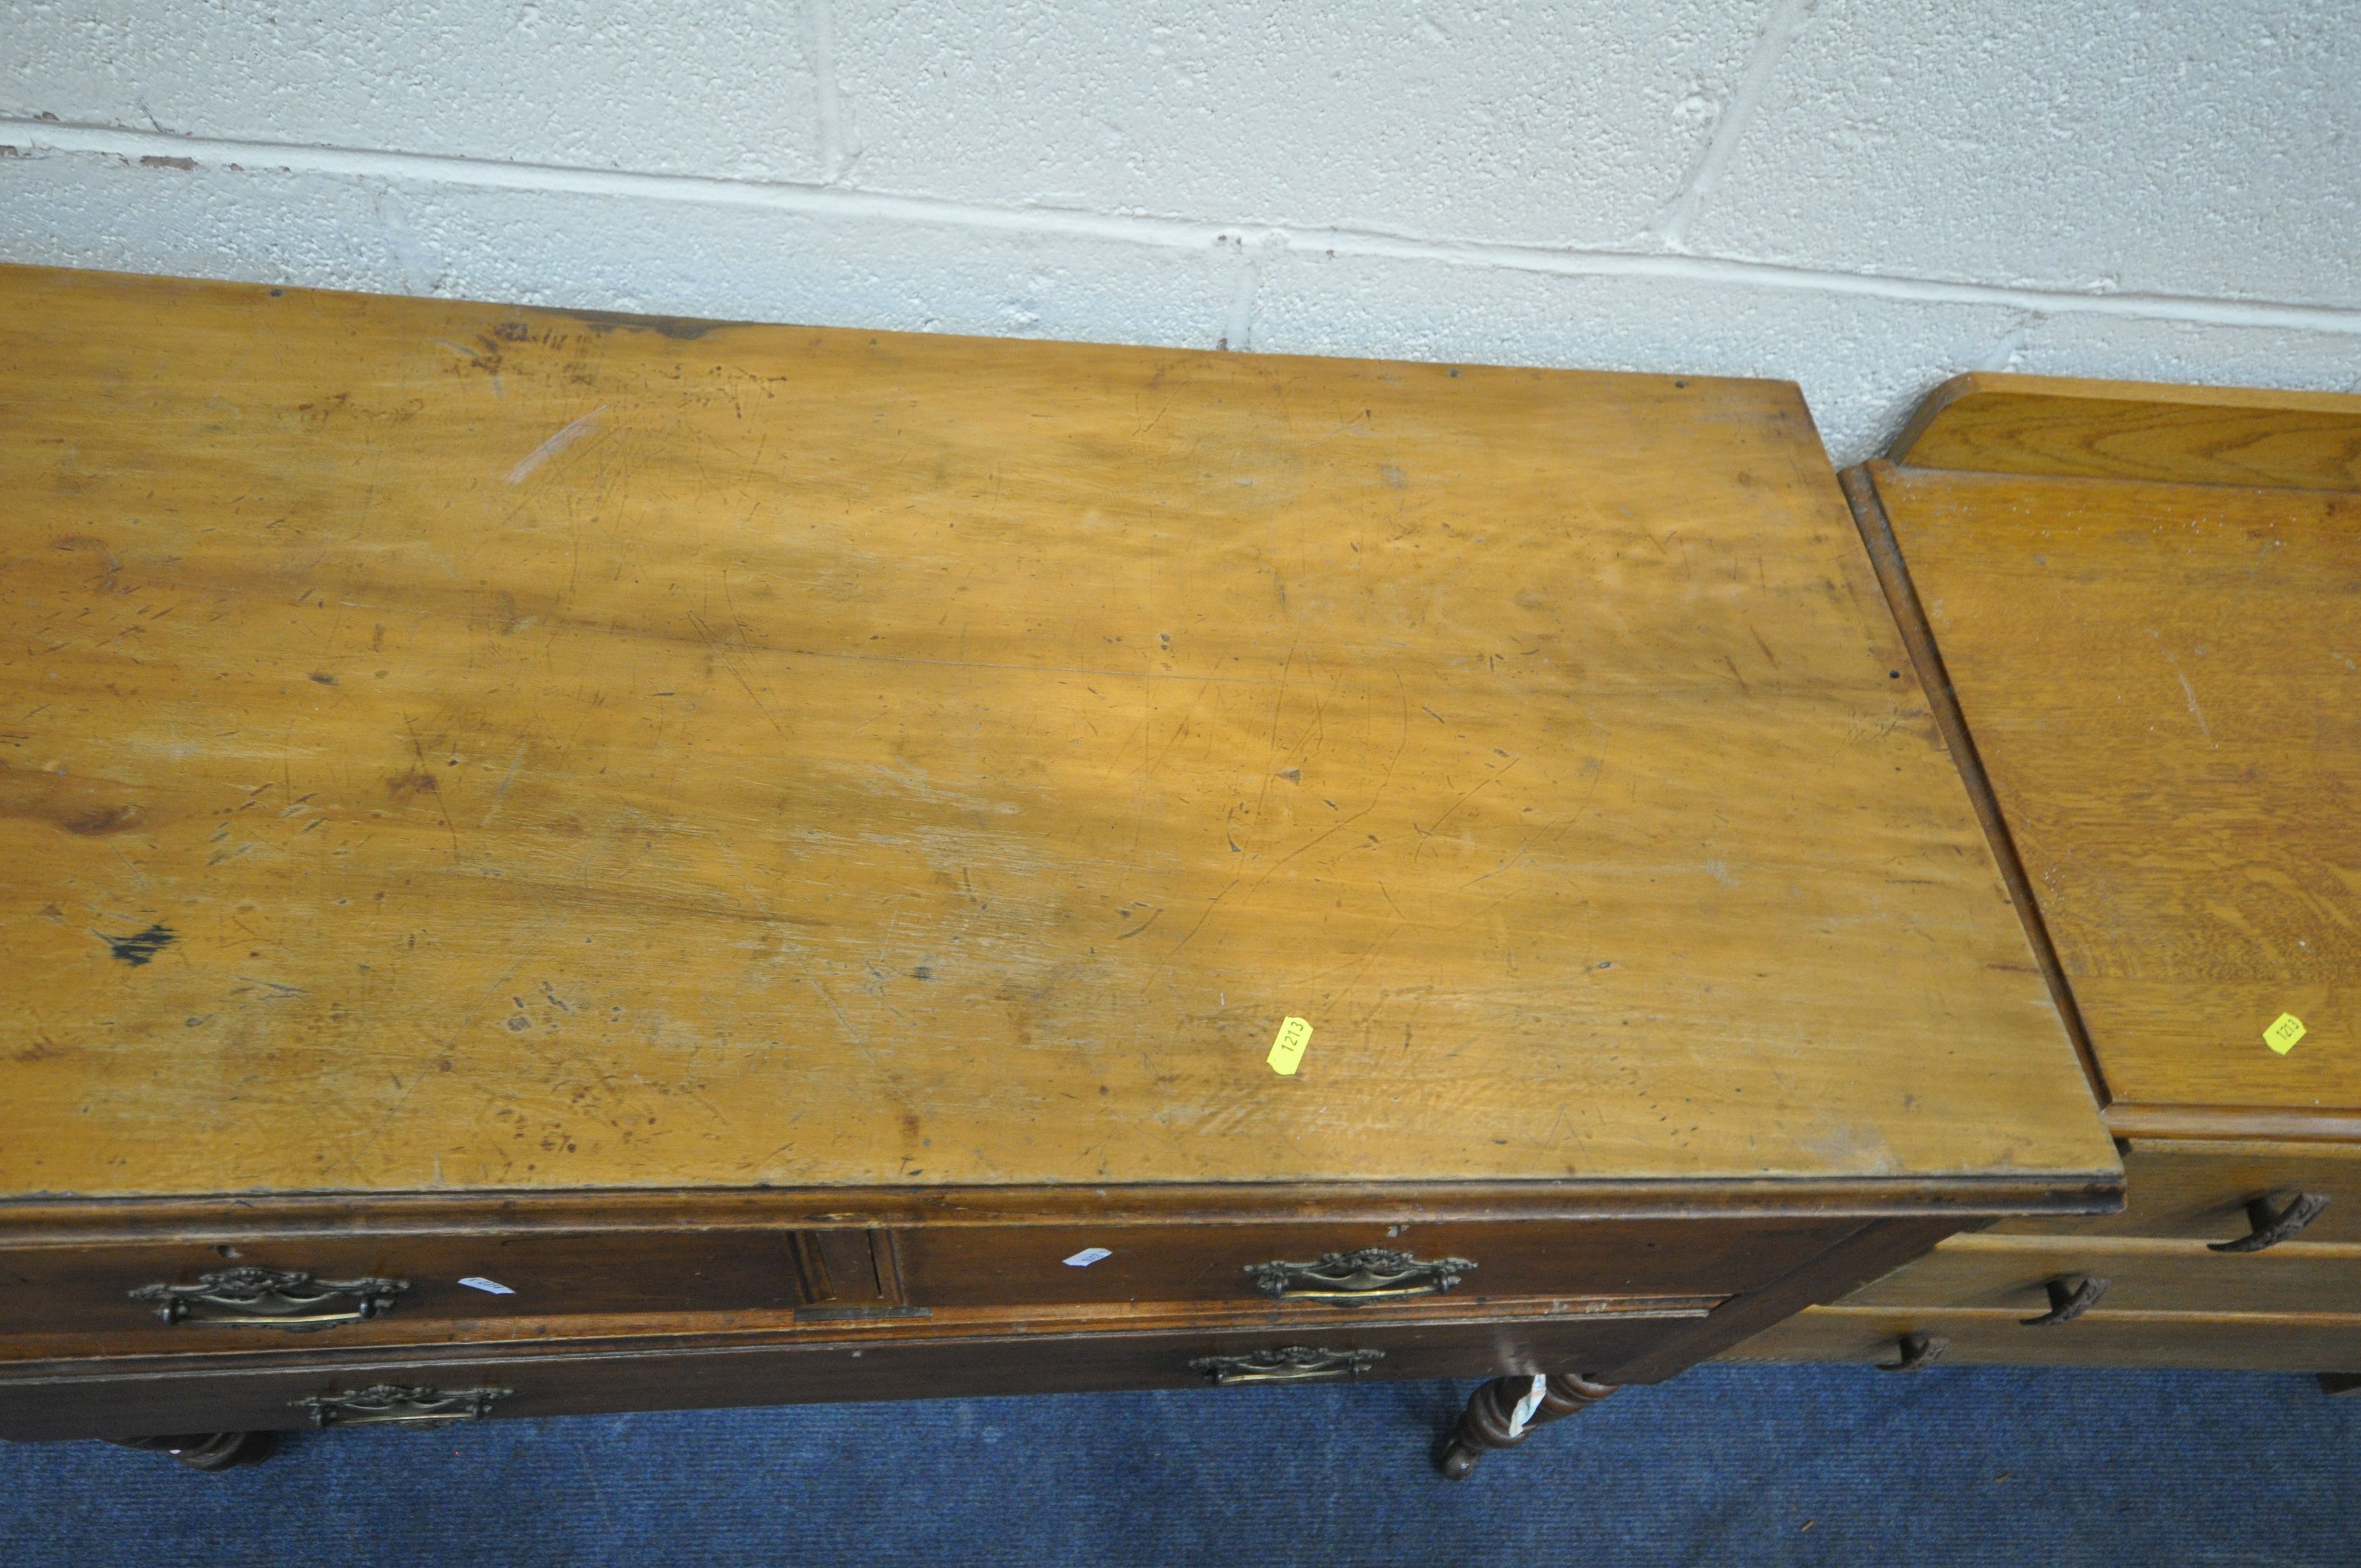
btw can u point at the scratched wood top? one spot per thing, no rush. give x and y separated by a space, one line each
2162 682
1995 422
463 747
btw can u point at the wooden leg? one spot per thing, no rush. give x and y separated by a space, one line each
1490 1419
209 1449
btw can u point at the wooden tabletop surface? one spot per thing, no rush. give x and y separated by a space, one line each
460 747
2160 662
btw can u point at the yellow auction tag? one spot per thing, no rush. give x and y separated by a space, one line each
1287 1051
2280 1036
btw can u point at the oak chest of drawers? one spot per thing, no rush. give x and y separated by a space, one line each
2139 608
564 864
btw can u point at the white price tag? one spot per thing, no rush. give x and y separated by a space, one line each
1526 1407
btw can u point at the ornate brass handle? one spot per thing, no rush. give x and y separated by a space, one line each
270 1298
2267 1228
1289 1363
1350 1279
389 1404
2066 1304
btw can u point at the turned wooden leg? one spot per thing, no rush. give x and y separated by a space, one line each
209 1449
1490 1419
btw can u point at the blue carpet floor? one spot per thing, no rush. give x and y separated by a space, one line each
1726 1465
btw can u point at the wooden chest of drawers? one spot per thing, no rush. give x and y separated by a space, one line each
2137 607
565 863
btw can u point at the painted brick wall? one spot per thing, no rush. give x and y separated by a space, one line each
1862 195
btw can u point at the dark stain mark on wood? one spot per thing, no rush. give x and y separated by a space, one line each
670 326
325 678
139 946
99 821
417 780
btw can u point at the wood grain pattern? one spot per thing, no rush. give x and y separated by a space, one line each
977 1264
1943 702
51 1387
2134 429
2262 1341
88 1288
2200 1190
2134 649
2144 1275
1871 1253
213 1221
452 747
2160 680
2234 1123
152 1349
571 1378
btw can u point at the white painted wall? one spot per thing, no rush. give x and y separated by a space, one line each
1862 195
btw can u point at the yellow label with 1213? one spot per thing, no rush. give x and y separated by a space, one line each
1287 1051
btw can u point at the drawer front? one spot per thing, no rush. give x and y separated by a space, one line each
255 1288
994 1265
1996 1272
2201 1190
128 1403
1874 1335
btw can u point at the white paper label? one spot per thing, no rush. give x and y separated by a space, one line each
489 1286
1526 1407
1087 1256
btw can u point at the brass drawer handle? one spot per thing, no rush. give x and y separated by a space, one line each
2267 1229
1289 1363
1349 1278
270 1298
392 1404
2065 1304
